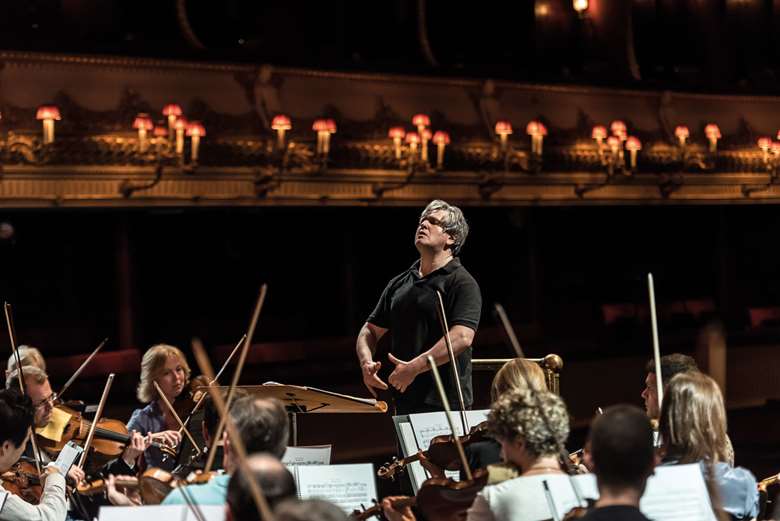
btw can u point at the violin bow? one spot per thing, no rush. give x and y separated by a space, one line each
20 376
191 504
235 439
656 346
510 332
176 417
236 375
216 379
81 368
453 361
446 403
98 415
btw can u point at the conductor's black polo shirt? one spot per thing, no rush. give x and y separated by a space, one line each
407 308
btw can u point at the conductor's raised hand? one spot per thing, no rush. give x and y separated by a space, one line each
403 374
370 377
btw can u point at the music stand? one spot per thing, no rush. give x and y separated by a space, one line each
300 399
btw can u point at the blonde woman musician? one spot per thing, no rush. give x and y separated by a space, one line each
167 366
693 430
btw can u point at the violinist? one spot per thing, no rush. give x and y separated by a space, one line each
276 481
36 383
263 426
693 430
167 366
622 457
407 310
671 365
16 420
517 373
532 427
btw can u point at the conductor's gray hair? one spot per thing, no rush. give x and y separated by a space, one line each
454 224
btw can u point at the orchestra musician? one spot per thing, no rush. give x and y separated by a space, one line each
622 457
407 309
671 365
16 421
532 427
693 430
38 388
166 365
517 373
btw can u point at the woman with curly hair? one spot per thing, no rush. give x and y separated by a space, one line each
532 427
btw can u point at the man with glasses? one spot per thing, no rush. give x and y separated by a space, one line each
38 388
407 310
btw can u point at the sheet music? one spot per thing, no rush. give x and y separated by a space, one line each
348 486
529 501
428 425
172 512
677 493
314 455
416 471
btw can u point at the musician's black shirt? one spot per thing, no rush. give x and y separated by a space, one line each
615 513
407 308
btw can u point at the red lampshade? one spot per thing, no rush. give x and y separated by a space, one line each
426 134
503 128
320 125
396 132
764 143
281 122
48 112
712 131
599 132
196 128
441 138
181 123
613 141
421 120
682 132
412 138
535 128
775 147
633 143
160 130
330 126
172 109
143 121
618 128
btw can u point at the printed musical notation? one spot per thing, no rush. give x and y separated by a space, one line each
316 455
348 486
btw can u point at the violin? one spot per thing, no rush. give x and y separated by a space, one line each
156 483
442 452
23 480
110 439
439 499
98 486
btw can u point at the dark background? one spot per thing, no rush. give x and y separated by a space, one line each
699 45
196 272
